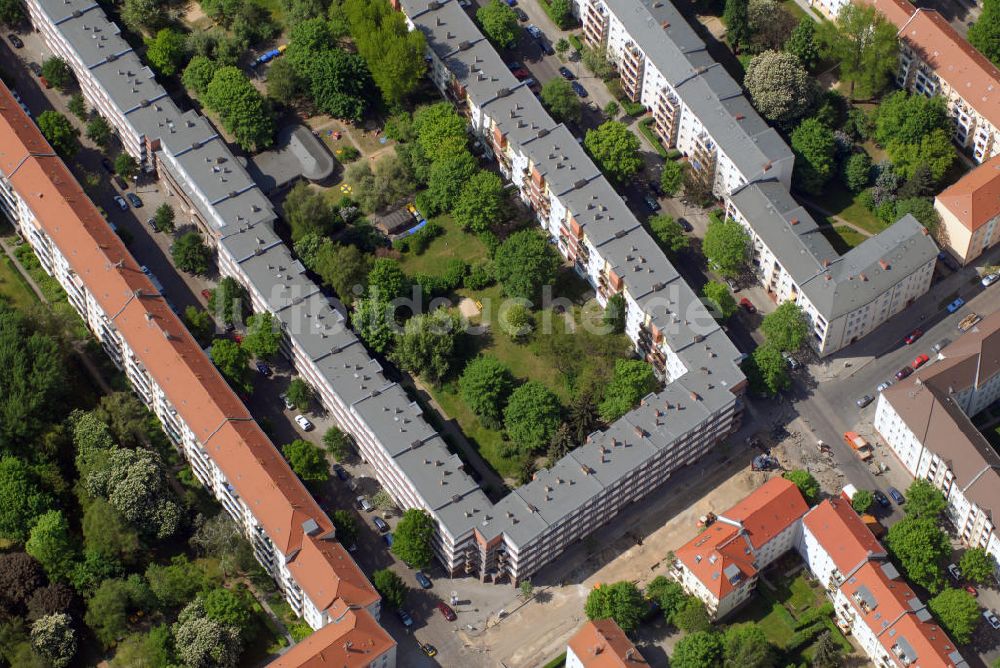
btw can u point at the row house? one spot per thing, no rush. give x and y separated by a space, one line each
291 536
927 422
602 644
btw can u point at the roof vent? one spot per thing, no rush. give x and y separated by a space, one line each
740 117
863 277
542 133
143 103
465 46
111 58
580 184
195 145
77 13
433 4
883 264
794 221
310 527
503 92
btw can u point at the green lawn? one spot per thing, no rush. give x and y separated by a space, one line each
842 237
13 287
454 243
792 8
839 201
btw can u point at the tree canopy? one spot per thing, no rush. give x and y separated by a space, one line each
413 537
701 649
802 43
485 385
440 131
394 54
244 112
52 544
781 89
985 33
391 587
560 99
481 203
448 176
615 149
924 500
134 483
229 301
672 177
633 379
746 646
958 613
54 638
621 601
863 500
307 211
166 51
726 245
99 131
58 73
428 344
806 483
720 299
786 327
263 336
11 12
190 253
525 262
977 565
532 416
22 499
815 149
864 43
499 23
920 546
59 132
233 360
308 461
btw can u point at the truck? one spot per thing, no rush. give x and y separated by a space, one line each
858 444
968 322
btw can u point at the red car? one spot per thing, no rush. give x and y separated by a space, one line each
904 372
748 305
971 590
912 336
446 611
521 74
206 293
920 361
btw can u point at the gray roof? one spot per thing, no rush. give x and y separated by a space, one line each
297 153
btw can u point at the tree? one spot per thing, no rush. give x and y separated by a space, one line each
672 177
263 336
485 385
337 443
99 131
166 51
303 10
374 322
20 577
561 13
413 537
345 526
737 24
531 416
307 211
515 321
394 54
143 14
781 89
805 482
203 642
958 613
481 204
428 343
53 637
283 81
560 98
107 533
786 327
59 132
232 360
11 12
924 500
134 483
300 393
934 151
383 501
199 73
920 208
828 652
163 219
306 460
177 583
770 26
390 182
669 232
857 171
448 175
919 544
621 601
815 149
229 607
499 23
229 301
596 60
22 499
58 73
242 109
865 46
611 109
190 254
746 646
702 649
632 381
108 609
77 106
440 130
51 599
391 587
615 149
146 650
126 166
977 565
615 312
337 81
691 616
726 245
985 33
669 594
862 501
218 537
343 268
719 299
802 43
767 371
907 118
525 262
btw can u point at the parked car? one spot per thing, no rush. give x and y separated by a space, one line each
990 279
521 74
651 202
567 74
883 386
896 496
134 199
511 3
304 422
364 504
381 524
920 361
954 572
865 400
16 41
387 539
341 473
152 223
685 225
206 293
288 402
428 649
108 167
145 270
904 372
913 336
579 89
446 610
955 305
793 363
263 369
991 619
35 68
521 16
748 305
404 617
534 31
546 46
423 580
948 261
936 348
120 182
972 591
121 203
881 499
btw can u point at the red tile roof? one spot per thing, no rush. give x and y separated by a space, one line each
602 644
353 640
768 511
975 198
842 534
191 383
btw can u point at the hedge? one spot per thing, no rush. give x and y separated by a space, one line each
645 129
576 42
556 662
814 614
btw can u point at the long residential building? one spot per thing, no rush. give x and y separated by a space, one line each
512 539
291 536
701 111
927 422
970 211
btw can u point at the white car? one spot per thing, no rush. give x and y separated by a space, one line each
990 279
884 385
122 204
954 572
533 30
288 404
991 619
304 422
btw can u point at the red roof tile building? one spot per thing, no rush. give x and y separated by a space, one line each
602 644
720 565
970 211
292 537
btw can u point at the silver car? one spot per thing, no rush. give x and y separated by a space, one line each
884 385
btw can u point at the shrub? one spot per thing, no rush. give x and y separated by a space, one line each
634 109
479 277
347 153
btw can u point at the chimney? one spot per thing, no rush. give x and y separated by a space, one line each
794 221
883 264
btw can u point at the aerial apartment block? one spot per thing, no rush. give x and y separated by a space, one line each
291 536
702 112
970 211
669 325
602 644
927 422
